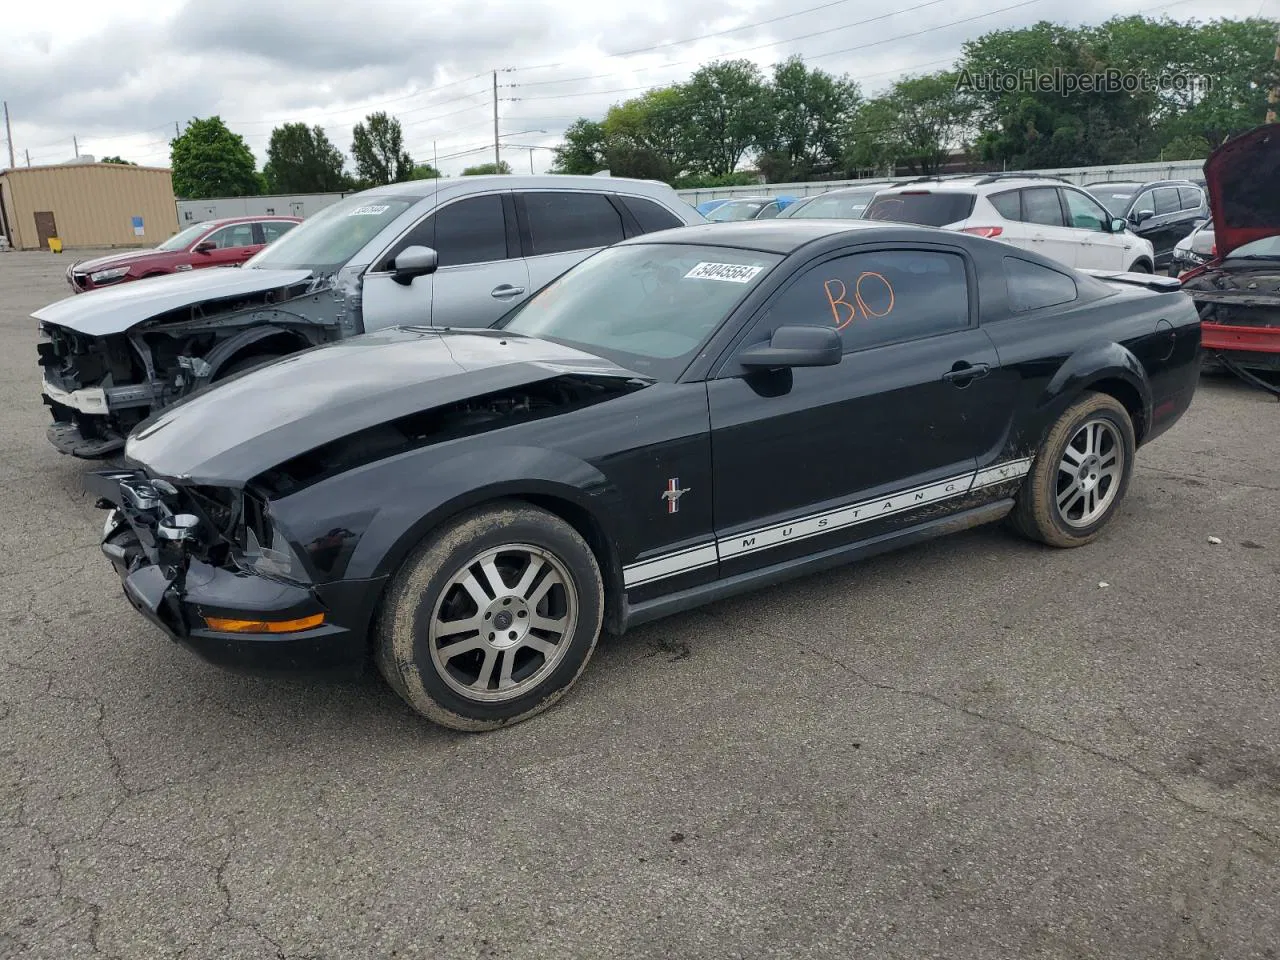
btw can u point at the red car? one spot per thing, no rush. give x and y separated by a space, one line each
210 243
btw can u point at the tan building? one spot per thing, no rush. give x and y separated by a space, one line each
87 205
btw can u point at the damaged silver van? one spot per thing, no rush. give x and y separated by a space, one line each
450 252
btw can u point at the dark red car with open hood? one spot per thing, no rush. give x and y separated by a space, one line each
1237 293
227 242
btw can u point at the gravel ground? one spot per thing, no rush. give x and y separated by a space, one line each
969 749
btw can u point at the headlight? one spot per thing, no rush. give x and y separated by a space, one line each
105 276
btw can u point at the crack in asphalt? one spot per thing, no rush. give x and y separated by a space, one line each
1092 751
1201 476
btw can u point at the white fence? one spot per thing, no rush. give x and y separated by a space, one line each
1181 170
287 205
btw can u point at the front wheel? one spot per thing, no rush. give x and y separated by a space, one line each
493 619
1080 475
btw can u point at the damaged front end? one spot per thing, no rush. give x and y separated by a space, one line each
98 386
209 566
1240 315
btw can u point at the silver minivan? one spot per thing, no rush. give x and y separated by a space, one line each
450 252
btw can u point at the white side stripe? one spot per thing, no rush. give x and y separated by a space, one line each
689 559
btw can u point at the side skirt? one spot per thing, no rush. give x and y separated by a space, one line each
659 607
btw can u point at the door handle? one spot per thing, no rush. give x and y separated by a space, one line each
963 372
505 291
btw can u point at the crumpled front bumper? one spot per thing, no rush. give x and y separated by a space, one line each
180 594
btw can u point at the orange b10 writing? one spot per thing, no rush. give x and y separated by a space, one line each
869 284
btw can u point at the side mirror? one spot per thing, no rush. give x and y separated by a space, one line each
1119 225
1142 216
204 246
413 262
796 346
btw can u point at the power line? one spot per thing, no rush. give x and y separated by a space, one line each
373 106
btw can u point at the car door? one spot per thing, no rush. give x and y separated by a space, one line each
1089 223
232 246
479 277
273 230
1164 229
1047 225
815 458
560 228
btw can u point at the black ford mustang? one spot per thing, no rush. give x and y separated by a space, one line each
682 416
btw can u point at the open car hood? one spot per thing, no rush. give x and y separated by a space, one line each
235 430
1241 176
100 313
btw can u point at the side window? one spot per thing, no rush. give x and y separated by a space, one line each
275 229
1041 205
1144 202
571 221
879 298
651 216
1191 198
236 235
1007 204
1166 200
1032 286
473 230
1085 212
768 211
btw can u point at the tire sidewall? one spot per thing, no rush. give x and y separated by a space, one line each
1098 408
408 622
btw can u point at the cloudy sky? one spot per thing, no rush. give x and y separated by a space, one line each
118 81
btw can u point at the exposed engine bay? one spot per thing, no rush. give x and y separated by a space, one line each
1239 298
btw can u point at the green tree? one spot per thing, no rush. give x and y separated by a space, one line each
483 168
919 122
302 159
727 113
127 163
208 160
809 110
377 145
424 171
583 150
649 136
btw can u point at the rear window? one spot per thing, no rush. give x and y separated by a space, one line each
926 209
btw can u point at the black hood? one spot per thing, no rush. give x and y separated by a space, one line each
236 430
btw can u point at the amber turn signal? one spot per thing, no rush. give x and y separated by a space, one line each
227 625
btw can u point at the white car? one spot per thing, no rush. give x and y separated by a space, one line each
1049 216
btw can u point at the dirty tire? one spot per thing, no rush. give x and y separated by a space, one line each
1037 514
428 584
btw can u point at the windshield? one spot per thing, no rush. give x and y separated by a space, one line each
323 243
1267 248
834 206
737 210
1114 196
647 307
921 207
184 238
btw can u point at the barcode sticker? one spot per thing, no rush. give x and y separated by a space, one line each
729 272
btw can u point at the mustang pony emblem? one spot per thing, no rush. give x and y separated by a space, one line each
673 493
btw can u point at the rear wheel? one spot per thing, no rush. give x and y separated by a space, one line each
1080 474
492 619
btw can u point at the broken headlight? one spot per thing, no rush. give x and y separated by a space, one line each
265 550
106 276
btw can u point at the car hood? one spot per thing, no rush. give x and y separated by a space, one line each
232 432
126 259
1241 177
99 313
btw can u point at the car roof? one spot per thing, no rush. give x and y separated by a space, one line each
483 182
777 236
223 221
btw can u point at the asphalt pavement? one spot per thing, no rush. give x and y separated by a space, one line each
970 749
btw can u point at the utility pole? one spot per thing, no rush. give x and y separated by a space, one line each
176 134
8 133
1274 96
497 158
435 158
28 153
531 160
75 143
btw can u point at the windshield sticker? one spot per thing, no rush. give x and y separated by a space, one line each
729 272
370 210
877 288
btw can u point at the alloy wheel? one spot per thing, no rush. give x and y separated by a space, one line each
1089 473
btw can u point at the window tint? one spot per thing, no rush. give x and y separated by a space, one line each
878 298
274 229
1032 286
1007 204
571 221
651 216
924 208
473 230
1085 212
236 235
1190 198
1040 205
1166 200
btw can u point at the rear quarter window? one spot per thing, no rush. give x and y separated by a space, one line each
1033 287
649 215
923 208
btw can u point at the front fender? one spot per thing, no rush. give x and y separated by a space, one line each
1090 366
405 498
